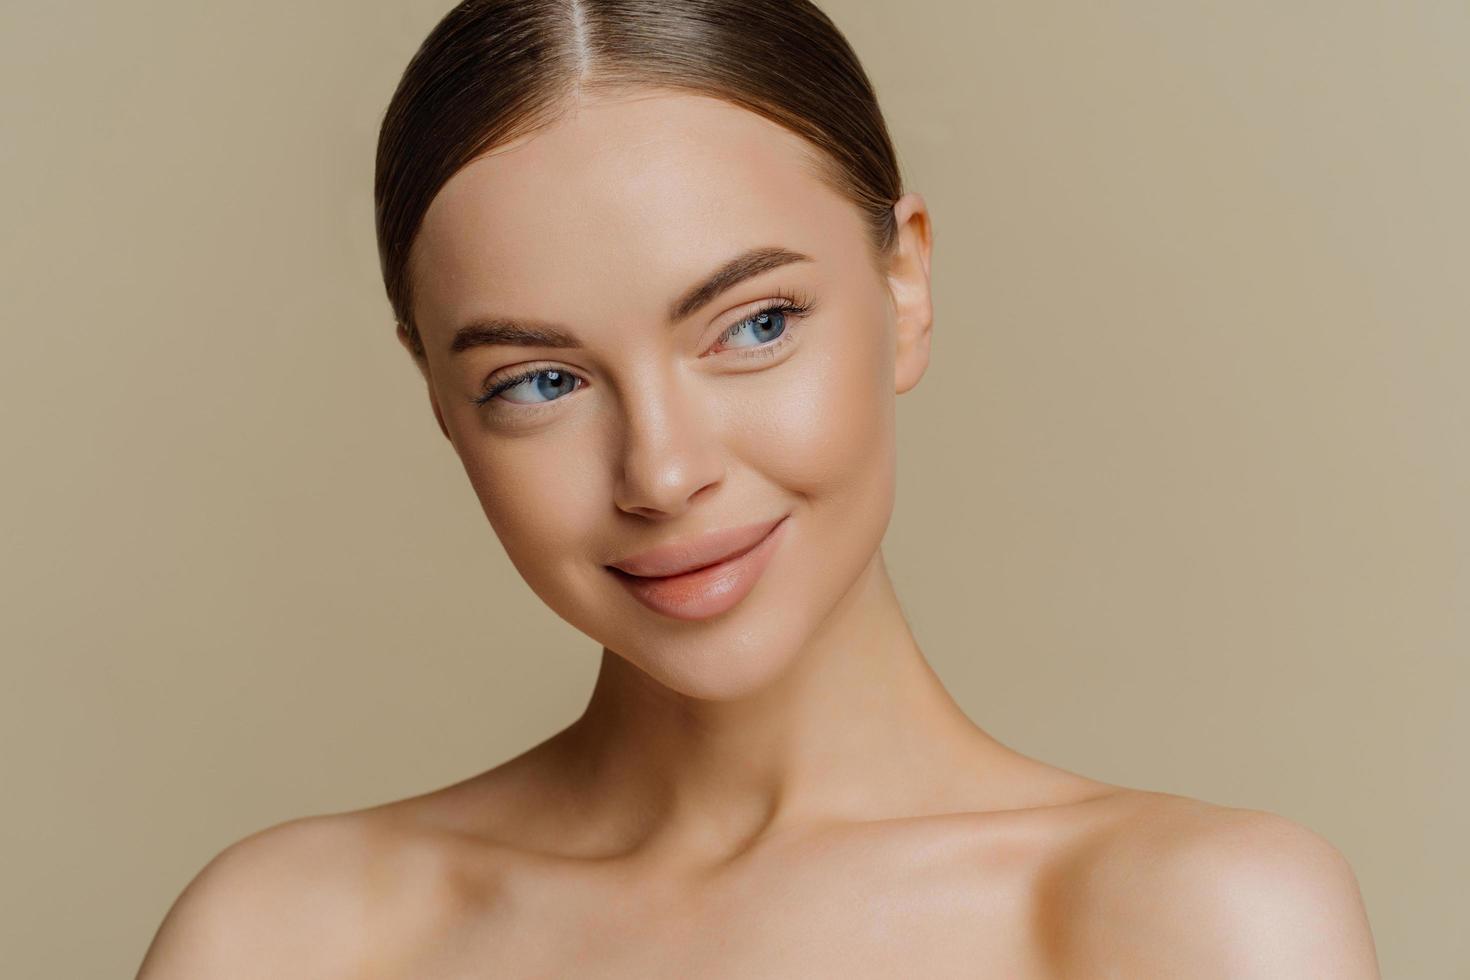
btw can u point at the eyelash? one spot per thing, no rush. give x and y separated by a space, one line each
793 307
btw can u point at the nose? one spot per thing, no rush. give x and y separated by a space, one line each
671 451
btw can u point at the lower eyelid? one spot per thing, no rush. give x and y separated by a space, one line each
787 337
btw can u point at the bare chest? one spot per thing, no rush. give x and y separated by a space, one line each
858 933
877 912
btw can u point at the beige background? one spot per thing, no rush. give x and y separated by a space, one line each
1183 497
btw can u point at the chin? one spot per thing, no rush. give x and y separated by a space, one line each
723 658
726 669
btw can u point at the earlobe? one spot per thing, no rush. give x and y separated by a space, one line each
908 283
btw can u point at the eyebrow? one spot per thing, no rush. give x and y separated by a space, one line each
523 332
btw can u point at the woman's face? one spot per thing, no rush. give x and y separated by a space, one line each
666 412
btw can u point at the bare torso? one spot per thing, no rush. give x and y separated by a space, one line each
1048 875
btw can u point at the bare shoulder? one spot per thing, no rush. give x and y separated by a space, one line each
1181 887
320 897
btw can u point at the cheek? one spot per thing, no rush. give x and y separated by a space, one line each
824 427
539 501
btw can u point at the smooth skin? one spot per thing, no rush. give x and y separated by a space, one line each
786 789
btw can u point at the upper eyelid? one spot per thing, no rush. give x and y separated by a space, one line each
770 303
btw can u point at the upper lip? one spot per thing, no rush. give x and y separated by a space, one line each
689 554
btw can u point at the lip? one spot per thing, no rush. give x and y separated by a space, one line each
722 568
678 557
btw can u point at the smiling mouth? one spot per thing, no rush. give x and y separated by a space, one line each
711 589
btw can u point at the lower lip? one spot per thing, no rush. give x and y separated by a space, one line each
708 591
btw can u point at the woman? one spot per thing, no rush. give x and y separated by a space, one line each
656 265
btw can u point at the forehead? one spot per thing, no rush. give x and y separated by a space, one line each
627 198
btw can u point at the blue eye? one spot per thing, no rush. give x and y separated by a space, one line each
770 332
768 324
556 383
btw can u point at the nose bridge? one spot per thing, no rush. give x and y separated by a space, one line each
670 449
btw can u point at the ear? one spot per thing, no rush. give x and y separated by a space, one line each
423 367
908 284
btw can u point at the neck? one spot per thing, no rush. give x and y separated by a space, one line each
859 727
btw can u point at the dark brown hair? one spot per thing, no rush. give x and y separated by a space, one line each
494 70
